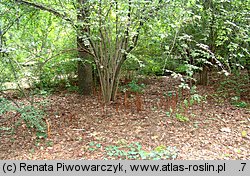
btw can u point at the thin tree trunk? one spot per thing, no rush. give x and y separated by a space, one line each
204 76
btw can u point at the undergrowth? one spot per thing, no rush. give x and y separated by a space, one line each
18 114
134 151
236 89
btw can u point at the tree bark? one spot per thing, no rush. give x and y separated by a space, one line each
204 76
85 76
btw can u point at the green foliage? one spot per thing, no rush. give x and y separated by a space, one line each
196 98
233 85
134 151
161 153
71 88
32 116
57 73
182 36
238 103
181 69
181 117
194 36
5 106
38 47
134 87
155 66
169 113
233 88
93 146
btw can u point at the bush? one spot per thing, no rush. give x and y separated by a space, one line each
31 115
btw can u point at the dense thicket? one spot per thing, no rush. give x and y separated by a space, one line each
47 43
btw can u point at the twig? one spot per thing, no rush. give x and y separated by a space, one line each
5 94
78 129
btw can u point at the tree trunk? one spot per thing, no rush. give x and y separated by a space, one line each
204 76
116 81
85 77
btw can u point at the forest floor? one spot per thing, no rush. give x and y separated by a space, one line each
82 128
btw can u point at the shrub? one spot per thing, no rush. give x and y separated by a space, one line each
31 115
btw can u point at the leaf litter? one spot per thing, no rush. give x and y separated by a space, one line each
81 127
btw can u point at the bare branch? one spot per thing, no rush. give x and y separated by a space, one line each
9 97
67 50
11 24
44 8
